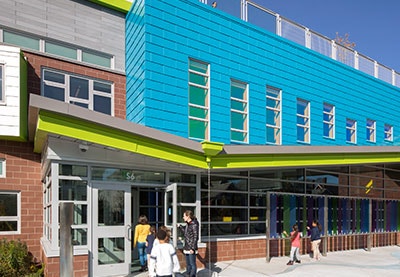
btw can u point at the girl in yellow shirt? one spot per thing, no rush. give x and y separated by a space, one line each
142 229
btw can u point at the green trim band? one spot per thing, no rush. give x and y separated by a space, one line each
118 5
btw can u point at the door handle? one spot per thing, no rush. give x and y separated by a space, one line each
128 232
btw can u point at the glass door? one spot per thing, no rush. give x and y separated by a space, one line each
111 229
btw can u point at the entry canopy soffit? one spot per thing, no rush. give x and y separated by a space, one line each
48 117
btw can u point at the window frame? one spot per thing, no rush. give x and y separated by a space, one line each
206 121
305 117
3 168
353 131
66 86
244 112
388 132
16 218
329 124
371 130
2 83
276 110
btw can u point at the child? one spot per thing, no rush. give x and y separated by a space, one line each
295 242
315 238
163 259
149 242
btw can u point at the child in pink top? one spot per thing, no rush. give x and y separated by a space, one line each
294 250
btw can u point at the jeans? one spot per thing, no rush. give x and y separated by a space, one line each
294 254
191 268
141 246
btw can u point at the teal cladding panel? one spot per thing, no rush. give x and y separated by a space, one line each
162 35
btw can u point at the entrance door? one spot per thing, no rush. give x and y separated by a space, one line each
170 211
111 232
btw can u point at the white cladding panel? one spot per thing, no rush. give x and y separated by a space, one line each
10 108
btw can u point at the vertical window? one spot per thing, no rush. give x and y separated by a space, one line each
198 100
303 121
273 106
388 132
329 121
2 168
2 90
371 130
10 212
239 114
351 131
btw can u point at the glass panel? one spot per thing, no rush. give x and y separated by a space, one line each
21 40
79 237
257 228
238 105
8 226
80 214
111 204
238 120
169 207
103 87
186 194
238 90
128 175
111 250
238 136
79 88
98 59
182 178
197 129
197 66
198 112
198 79
1 86
8 204
197 96
73 170
54 77
102 104
61 50
72 190
54 93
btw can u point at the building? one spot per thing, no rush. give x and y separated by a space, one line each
188 108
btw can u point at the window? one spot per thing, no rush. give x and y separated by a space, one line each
273 106
329 121
303 121
2 89
351 131
371 130
58 48
2 168
78 90
198 100
388 132
239 115
10 212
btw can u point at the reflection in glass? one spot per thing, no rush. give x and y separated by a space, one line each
186 194
111 250
111 205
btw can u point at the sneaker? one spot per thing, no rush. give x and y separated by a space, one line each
290 263
298 261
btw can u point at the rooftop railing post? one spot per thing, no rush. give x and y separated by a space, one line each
66 248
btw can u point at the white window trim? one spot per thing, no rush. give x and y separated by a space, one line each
13 218
390 132
278 126
330 123
245 112
371 130
306 127
354 128
3 81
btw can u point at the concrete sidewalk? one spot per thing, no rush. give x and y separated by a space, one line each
382 261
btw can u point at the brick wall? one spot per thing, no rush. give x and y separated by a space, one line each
36 62
23 175
80 265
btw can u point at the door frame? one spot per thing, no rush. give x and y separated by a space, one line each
119 231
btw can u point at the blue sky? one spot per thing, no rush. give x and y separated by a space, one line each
373 25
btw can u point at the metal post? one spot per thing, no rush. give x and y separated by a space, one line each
267 227
66 249
369 236
325 240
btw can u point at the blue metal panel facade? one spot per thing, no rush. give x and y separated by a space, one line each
165 34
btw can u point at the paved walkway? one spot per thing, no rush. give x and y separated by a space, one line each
382 261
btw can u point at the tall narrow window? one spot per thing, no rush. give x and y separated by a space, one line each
329 121
388 132
1 83
303 121
371 130
198 100
351 131
273 106
10 217
2 168
239 122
